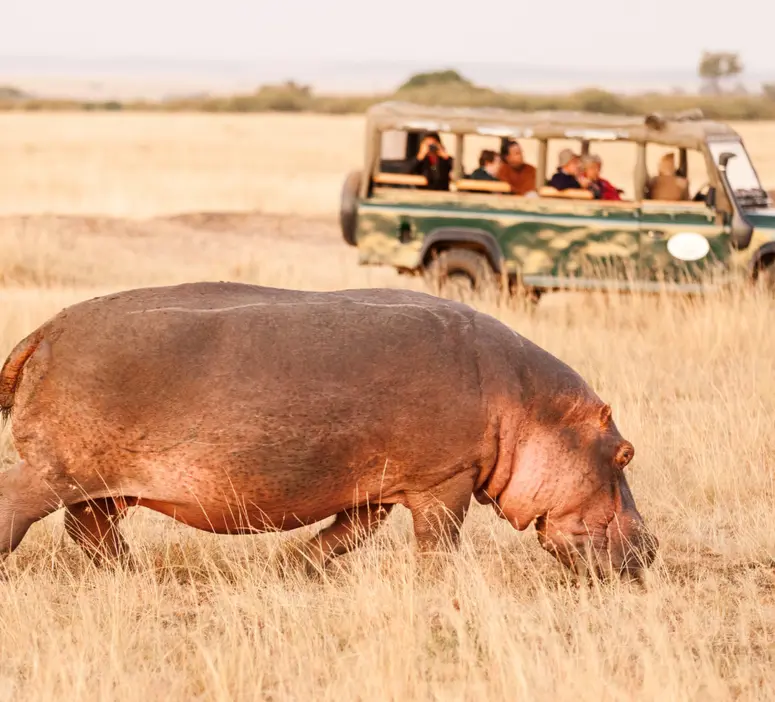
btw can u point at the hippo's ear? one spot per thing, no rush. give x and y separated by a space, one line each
624 454
605 416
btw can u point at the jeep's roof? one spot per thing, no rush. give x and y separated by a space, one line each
689 130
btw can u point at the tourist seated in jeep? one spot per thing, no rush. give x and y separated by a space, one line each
519 175
668 185
433 162
600 187
489 164
568 174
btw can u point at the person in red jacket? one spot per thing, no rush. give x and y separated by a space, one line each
600 187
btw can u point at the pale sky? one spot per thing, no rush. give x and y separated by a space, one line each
651 34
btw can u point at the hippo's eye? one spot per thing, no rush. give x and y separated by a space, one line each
624 455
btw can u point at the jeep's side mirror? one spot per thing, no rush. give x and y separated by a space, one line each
741 228
724 158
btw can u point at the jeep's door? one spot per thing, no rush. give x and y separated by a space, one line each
682 245
578 243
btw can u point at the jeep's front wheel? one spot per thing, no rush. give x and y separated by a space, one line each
765 277
461 274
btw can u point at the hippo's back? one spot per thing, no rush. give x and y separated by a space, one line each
260 374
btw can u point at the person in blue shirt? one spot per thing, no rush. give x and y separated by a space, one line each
568 175
489 163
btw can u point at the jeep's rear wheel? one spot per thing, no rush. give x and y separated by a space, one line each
461 274
348 208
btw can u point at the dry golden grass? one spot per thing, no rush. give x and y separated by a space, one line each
216 618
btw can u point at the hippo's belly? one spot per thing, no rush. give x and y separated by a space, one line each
246 496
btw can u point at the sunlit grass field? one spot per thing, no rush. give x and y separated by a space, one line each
207 617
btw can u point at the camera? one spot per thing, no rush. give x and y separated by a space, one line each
433 148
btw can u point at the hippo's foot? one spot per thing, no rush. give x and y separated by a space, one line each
93 525
350 529
434 566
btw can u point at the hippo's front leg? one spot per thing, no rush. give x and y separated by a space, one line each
438 512
349 530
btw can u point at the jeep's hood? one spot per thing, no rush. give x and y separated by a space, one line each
761 217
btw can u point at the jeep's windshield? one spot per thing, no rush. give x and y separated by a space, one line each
741 173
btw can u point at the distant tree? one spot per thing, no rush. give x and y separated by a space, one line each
436 79
768 90
717 66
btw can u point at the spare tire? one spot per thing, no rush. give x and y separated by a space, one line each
348 208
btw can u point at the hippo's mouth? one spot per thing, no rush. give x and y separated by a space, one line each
581 552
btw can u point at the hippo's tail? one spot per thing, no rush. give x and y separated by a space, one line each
12 369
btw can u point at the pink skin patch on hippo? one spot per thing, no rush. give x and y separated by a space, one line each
555 483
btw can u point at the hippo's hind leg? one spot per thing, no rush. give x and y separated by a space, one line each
348 531
438 512
93 525
28 494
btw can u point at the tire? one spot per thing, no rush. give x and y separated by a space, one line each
765 278
461 274
348 208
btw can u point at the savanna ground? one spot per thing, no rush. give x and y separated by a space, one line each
94 203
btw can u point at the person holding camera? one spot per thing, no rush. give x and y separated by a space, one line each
433 162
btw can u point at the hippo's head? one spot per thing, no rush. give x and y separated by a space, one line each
568 477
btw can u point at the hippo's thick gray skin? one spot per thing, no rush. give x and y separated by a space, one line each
235 408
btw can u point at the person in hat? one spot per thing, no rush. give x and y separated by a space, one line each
600 187
433 162
568 175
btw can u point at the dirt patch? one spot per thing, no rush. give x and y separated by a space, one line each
47 251
238 224
249 223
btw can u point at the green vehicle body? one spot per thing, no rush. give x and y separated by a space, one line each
552 242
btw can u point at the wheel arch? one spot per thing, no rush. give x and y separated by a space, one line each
463 237
764 256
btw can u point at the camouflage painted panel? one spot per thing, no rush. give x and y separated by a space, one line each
536 236
553 239
665 224
379 240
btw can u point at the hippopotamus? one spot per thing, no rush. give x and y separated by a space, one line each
237 408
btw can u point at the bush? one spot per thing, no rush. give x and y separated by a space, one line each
435 78
596 100
8 92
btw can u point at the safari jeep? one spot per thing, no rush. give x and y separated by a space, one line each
480 233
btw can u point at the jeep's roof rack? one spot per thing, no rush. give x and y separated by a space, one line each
688 129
